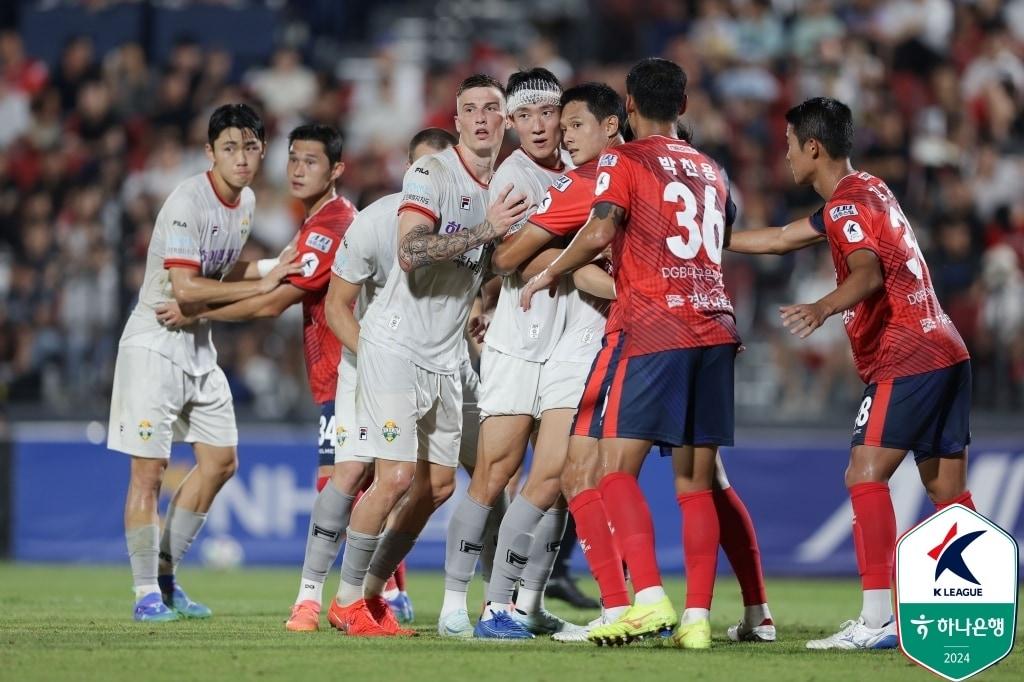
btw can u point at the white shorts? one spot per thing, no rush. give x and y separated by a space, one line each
351 438
470 413
409 412
513 386
155 403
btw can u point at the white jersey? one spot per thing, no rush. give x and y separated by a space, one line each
527 334
423 313
194 229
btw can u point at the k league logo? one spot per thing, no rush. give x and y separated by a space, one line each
956 588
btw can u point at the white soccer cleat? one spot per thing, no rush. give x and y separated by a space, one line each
542 622
578 633
456 624
854 634
743 632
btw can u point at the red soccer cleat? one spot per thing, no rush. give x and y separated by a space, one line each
381 612
355 620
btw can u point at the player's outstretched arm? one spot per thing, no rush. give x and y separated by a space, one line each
188 287
605 221
172 316
419 246
593 279
518 248
778 240
255 269
341 296
864 280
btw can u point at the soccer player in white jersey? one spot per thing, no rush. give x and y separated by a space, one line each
167 385
520 387
408 392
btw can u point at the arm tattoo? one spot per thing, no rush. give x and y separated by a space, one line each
420 247
606 209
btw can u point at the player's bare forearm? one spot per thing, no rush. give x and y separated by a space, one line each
419 246
864 280
592 279
189 288
605 220
775 240
338 306
489 292
243 270
257 307
542 260
517 249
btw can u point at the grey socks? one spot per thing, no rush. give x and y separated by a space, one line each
180 528
515 540
465 542
327 524
546 542
394 546
143 546
359 550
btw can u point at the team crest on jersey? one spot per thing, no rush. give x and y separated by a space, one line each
320 242
562 183
340 435
608 160
310 262
390 431
145 429
853 231
465 202
837 212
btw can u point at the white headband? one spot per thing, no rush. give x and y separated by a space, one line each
534 91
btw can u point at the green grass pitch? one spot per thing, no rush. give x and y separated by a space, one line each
74 623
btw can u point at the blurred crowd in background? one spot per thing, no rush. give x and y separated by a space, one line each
93 139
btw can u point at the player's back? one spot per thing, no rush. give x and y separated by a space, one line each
668 256
901 330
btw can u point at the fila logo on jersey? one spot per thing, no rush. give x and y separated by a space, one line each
853 232
320 242
562 183
309 264
215 230
465 203
179 223
422 170
362 433
837 212
608 160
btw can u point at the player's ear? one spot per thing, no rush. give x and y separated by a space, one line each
338 169
458 125
682 107
611 126
630 105
209 153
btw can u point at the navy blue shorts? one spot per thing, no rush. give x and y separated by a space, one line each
325 438
929 413
676 397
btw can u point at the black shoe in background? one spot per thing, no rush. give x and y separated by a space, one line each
563 587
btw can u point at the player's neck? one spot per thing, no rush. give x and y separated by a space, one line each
827 179
225 191
648 128
314 204
479 164
552 160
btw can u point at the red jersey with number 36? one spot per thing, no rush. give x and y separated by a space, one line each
900 330
667 258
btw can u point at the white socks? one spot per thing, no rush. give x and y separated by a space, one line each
310 590
694 616
530 601
756 614
650 595
453 601
877 609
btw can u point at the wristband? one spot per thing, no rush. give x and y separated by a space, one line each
265 265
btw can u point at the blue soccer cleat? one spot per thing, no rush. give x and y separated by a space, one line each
501 626
174 597
401 606
151 609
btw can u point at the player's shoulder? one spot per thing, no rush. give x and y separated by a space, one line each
585 172
387 205
247 198
858 194
430 166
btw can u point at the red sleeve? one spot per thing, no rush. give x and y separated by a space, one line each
564 211
316 246
849 227
614 180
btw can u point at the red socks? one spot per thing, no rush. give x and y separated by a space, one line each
963 498
700 546
599 548
739 540
632 526
874 534
400 576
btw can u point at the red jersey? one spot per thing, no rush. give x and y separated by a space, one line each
566 208
901 330
667 258
318 241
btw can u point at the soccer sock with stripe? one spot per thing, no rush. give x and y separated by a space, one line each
465 540
494 520
739 540
516 537
700 546
546 542
874 538
181 526
631 519
595 538
331 511
359 549
143 548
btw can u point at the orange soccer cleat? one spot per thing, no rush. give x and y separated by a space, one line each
305 617
385 617
355 620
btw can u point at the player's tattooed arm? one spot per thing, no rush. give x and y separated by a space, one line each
865 279
778 240
418 245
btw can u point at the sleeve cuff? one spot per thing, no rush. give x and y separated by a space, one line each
409 206
180 263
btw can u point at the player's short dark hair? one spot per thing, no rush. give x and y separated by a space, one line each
326 135
658 87
240 116
826 120
435 138
480 80
519 79
601 100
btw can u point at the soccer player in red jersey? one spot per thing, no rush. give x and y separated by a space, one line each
668 380
906 349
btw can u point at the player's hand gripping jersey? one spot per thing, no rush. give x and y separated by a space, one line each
901 330
667 257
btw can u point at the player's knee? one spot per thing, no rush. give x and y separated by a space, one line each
441 491
943 490
347 477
